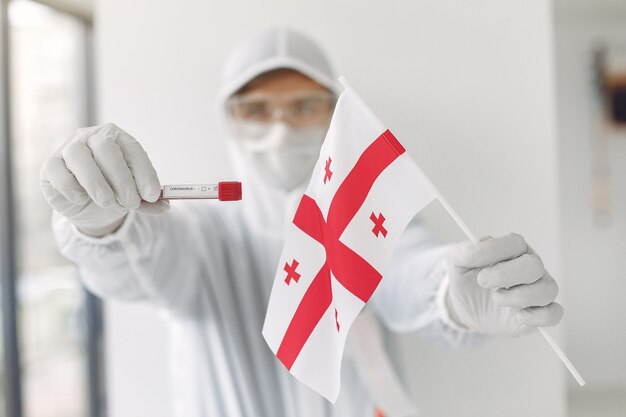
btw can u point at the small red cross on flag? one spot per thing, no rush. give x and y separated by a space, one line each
291 272
378 224
342 242
327 172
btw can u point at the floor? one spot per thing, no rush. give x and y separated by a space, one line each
598 404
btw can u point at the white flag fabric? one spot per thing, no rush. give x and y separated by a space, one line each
363 192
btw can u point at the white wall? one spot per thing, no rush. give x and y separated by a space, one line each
467 86
593 257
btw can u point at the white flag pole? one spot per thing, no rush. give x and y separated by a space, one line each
418 171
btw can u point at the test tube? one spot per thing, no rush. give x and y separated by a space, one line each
223 191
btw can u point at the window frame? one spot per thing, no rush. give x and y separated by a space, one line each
94 337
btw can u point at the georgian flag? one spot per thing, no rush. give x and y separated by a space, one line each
363 192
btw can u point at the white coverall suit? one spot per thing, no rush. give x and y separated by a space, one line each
211 266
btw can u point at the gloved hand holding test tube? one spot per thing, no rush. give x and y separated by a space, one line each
102 173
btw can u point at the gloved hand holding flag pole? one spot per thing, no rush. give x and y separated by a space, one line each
343 235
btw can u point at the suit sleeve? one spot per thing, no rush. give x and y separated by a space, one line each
166 259
410 298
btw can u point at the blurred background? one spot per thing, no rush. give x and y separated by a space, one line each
516 110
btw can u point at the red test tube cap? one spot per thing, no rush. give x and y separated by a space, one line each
229 191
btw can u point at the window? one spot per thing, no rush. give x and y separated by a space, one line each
48 102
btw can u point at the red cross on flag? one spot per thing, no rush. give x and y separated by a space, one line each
363 192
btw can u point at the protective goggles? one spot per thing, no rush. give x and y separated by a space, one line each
299 109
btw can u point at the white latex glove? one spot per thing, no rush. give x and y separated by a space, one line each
98 176
499 286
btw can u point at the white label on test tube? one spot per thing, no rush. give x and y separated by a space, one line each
190 191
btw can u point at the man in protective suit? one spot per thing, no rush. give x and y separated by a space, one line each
212 266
